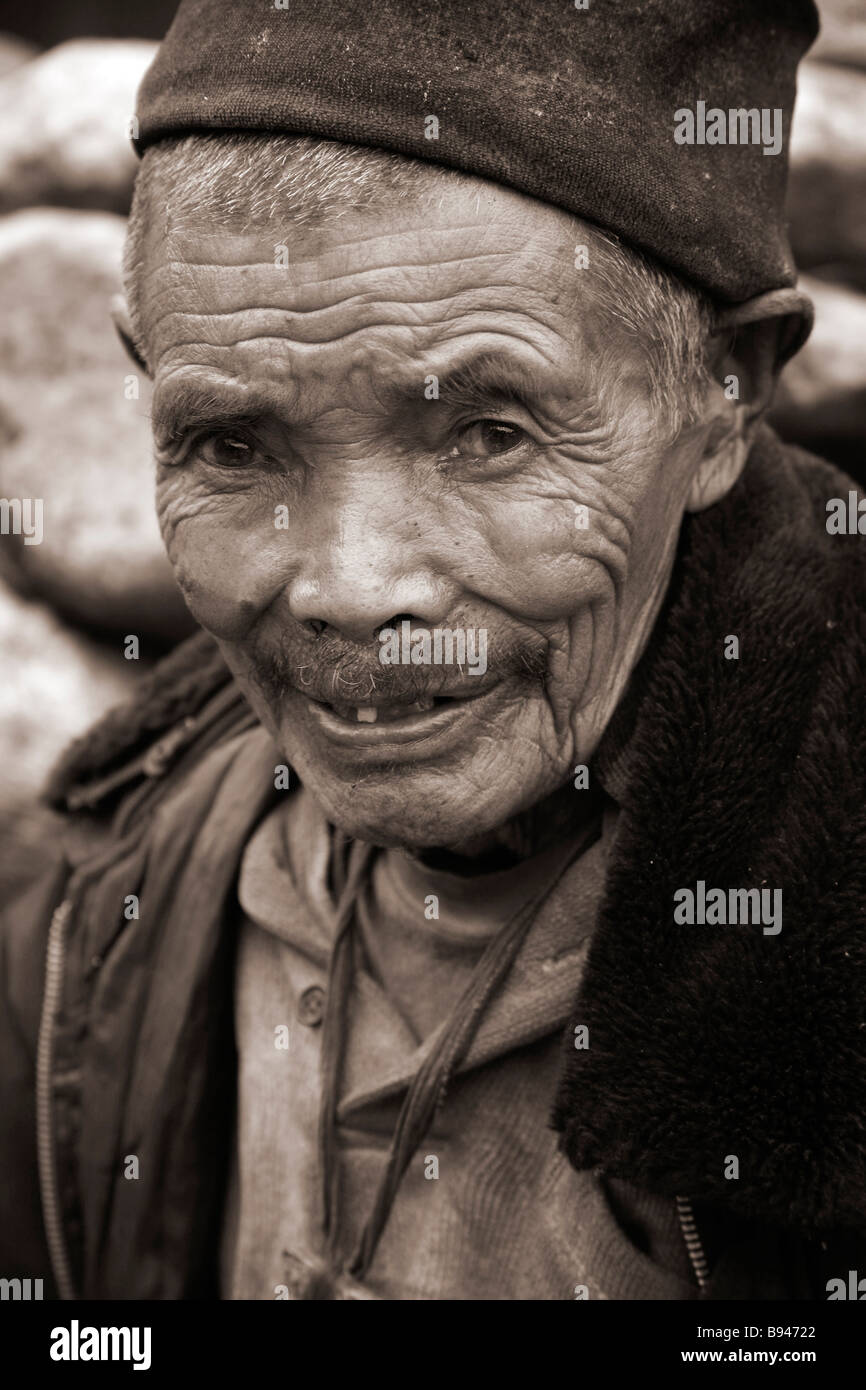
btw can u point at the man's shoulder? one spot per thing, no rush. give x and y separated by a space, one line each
185 706
167 751
110 780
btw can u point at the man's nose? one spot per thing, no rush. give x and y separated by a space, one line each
364 567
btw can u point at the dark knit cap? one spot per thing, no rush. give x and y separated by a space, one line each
574 106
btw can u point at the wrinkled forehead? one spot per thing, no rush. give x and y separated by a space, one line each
473 259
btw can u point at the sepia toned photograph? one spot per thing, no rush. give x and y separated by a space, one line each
433 630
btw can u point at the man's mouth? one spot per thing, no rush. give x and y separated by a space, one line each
382 720
385 713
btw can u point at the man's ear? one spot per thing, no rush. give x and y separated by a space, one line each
123 323
752 342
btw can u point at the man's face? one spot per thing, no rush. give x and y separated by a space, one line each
313 489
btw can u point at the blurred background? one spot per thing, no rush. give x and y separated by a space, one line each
74 412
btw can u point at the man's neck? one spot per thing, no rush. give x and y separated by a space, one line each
555 820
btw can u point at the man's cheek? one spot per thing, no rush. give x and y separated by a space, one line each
556 553
221 569
575 652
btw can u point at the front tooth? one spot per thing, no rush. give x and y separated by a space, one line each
367 714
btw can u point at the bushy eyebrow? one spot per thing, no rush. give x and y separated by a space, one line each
488 377
190 406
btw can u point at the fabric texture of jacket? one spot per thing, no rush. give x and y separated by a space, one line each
705 1042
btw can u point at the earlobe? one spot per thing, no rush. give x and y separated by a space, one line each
123 324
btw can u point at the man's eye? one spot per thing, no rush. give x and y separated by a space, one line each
226 451
487 438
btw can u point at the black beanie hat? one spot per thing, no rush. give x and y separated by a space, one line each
576 106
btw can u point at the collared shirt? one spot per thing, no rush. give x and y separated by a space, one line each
488 1208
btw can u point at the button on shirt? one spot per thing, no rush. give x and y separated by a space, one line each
311 1006
488 1208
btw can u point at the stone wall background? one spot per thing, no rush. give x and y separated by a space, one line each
74 411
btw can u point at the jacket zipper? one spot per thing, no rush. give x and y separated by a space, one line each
54 961
694 1246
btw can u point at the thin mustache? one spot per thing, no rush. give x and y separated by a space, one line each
340 672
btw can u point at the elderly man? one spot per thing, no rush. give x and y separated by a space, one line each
471 910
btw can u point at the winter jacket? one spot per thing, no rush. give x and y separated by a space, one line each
706 1042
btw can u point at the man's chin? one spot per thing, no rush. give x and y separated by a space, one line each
389 813
409 829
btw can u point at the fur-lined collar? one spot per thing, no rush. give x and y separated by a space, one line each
709 1044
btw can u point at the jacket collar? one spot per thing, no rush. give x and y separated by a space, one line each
725 1063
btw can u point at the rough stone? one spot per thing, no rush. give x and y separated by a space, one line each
827 186
65 121
843 33
14 52
55 683
821 399
72 433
